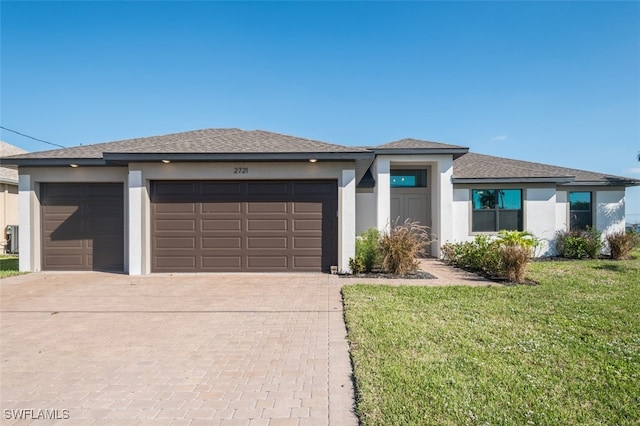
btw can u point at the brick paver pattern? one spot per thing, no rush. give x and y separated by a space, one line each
228 349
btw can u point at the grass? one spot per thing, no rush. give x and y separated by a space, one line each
8 266
561 353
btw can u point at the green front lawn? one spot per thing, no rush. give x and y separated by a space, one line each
565 352
8 266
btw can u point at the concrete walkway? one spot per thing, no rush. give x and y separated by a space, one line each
184 349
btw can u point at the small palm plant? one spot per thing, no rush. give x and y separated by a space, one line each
516 249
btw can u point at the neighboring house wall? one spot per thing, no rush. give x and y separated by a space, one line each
8 210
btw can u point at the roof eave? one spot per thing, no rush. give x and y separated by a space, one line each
549 179
612 182
456 152
52 162
124 158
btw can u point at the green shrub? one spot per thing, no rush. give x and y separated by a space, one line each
621 244
478 255
368 250
561 238
594 243
575 247
578 244
401 246
506 256
356 265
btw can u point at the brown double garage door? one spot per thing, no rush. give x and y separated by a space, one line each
207 226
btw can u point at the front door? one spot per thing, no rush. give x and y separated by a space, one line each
410 197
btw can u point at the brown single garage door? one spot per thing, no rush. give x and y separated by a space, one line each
82 226
215 226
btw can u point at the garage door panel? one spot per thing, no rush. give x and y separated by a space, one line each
179 189
221 208
221 242
267 262
106 226
267 207
220 188
307 242
221 224
267 225
175 208
266 243
68 244
82 226
254 226
69 191
102 191
175 225
65 262
263 189
307 262
176 242
307 224
222 263
316 188
62 209
173 262
302 207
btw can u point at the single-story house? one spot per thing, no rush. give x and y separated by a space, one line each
8 194
235 200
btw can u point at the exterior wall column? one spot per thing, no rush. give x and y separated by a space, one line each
136 230
383 192
346 218
443 220
25 232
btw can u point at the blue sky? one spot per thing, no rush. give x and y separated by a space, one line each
551 82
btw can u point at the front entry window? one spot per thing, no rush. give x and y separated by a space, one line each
408 178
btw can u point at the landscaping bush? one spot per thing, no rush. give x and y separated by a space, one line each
561 238
515 248
594 242
356 265
507 256
367 249
477 255
575 247
578 244
401 246
621 244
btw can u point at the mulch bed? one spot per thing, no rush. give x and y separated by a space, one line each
419 275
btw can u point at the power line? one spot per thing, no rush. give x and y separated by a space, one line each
31 137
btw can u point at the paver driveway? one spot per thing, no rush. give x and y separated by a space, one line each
245 349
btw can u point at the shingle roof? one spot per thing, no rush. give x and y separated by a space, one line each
9 174
472 166
207 141
409 143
